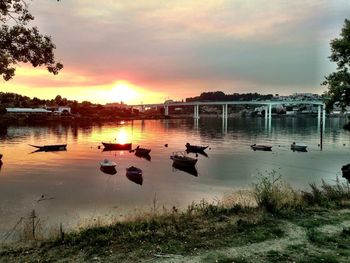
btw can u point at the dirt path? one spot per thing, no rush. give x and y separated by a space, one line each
294 235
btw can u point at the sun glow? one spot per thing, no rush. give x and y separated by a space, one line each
122 137
124 92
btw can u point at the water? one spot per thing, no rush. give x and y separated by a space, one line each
78 190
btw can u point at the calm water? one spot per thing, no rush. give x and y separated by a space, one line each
78 190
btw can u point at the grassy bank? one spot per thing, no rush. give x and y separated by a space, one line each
285 226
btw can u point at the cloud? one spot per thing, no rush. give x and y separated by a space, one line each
270 46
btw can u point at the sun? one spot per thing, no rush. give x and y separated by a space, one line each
123 92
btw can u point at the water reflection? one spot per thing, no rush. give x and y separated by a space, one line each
108 170
82 189
136 178
186 168
144 156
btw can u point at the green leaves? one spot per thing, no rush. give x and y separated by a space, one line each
339 82
20 43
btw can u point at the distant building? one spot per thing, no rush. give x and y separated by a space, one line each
48 110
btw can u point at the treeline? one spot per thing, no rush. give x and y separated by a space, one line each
84 109
220 96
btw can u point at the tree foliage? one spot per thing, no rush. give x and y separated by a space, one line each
21 43
339 82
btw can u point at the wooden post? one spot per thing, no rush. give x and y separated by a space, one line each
33 216
321 132
61 232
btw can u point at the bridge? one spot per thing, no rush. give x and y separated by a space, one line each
225 104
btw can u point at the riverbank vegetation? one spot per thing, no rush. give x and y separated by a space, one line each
285 225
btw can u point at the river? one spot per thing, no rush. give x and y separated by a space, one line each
68 186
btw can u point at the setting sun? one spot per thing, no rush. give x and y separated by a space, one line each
123 92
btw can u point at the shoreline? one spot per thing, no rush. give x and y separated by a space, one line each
23 119
285 226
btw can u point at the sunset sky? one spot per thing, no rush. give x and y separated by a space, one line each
149 51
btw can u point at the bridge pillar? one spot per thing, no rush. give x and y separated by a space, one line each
270 111
166 110
266 109
226 111
196 112
223 111
142 108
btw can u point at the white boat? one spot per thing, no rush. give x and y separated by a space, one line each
108 164
301 147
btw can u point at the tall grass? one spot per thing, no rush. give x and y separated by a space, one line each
273 195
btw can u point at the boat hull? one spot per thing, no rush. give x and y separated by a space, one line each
299 148
195 148
184 161
261 147
51 148
116 146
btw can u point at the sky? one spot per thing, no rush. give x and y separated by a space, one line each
152 50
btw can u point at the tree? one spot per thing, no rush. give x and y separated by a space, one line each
339 82
21 43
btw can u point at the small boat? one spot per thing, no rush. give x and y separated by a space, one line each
50 148
116 146
107 163
190 169
195 148
142 151
261 147
181 158
346 171
132 170
300 147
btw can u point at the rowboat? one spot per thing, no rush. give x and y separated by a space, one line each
261 147
51 148
195 148
132 170
182 159
298 147
116 146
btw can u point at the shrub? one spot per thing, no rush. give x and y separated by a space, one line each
274 195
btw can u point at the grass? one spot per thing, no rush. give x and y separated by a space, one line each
207 227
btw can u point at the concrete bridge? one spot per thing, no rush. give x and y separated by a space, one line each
225 104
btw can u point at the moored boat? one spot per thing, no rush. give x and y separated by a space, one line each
108 163
182 159
261 147
298 147
49 148
116 146
132 170
195 148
